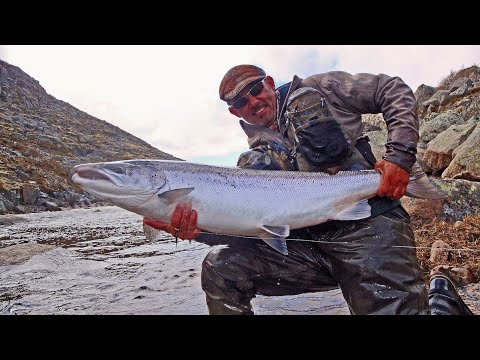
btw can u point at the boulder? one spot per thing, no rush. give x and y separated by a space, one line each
429 130
463 198
465 163
439 151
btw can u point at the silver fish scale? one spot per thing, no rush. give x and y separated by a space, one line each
242 200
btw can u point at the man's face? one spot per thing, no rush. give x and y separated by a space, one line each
259 109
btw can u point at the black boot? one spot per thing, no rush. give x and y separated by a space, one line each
443 297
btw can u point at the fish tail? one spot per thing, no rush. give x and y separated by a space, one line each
421 187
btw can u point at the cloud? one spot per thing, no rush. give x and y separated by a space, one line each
3 52
284 61
415 64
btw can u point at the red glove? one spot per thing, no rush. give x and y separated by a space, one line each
394 180
182 225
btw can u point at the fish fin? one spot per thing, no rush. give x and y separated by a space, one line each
278 243
280 230
275 237
359 210
152 234
171 196
421 187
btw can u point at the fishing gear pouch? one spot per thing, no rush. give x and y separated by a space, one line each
318 136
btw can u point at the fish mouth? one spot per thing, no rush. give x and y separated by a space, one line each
86 174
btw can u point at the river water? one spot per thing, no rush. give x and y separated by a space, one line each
97 261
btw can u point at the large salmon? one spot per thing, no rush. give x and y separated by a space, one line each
235 201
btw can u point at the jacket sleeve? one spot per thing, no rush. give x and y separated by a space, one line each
371 94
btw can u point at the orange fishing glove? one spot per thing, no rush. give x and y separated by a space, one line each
394 180
183 223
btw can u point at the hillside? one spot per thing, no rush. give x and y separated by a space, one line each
42 138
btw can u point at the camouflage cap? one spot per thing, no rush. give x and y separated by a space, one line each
237 78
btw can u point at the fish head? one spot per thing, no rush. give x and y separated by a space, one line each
125 184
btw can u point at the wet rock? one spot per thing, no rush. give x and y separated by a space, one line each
20 209
29 195
5 205
17 254
10 219
51 206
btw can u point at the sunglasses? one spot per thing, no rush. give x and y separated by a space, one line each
254 91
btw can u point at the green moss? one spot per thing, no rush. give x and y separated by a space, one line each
473 189
445 185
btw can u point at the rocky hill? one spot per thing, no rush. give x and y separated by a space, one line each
449 116
42 138
447 231
449 144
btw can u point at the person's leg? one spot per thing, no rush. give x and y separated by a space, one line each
232 276
374 262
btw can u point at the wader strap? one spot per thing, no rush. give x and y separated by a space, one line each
363 146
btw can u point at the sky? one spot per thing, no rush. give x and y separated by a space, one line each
167 95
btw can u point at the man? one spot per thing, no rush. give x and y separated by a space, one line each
314 124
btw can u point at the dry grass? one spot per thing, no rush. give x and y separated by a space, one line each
463 235
457 74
